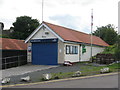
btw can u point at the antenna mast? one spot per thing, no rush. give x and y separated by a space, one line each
42 9
91 30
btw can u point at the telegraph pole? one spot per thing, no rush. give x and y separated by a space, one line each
91 31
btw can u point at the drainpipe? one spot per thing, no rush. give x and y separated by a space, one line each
80 53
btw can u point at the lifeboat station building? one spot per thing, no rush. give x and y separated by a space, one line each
52 44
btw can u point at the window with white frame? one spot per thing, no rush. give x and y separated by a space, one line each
71 49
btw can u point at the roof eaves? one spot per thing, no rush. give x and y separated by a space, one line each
73 42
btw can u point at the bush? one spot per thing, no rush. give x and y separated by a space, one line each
110 49
117 53
117 49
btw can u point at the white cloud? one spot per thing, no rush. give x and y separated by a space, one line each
67 21
79 11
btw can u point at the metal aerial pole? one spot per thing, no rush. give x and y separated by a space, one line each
42 9
91 31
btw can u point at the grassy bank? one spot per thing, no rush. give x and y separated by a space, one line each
86 70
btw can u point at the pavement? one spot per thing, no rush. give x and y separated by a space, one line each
24 69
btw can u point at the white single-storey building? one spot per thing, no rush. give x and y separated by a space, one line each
52 44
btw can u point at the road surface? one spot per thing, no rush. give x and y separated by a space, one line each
110 81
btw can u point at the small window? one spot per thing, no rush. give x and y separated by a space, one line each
43 36
46 32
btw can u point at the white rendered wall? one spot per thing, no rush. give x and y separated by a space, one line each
41 33
95 49
29 54
61 55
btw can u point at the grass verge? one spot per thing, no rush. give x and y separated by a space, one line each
86 71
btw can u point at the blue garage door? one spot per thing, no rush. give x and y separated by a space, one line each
44 53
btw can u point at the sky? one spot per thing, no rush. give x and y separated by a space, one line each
74 14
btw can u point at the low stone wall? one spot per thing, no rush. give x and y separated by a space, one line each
104 58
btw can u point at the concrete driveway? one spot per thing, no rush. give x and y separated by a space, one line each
24 69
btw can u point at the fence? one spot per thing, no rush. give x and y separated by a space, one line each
104 58
13 58
13 61
10 53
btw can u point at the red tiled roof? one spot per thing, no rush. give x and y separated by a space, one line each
12 44
76 36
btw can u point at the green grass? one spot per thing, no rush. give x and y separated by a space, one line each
85 70
91 70
114 67
62 75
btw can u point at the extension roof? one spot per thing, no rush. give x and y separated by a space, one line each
12 44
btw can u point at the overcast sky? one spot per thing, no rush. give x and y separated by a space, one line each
75 14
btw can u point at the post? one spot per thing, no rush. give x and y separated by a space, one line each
119 18
91 31
42 9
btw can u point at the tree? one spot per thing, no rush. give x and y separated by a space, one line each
2 25
23 27
107 33
117 50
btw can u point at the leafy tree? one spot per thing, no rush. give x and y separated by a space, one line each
107 33
2 25
110 49
23 27
117 50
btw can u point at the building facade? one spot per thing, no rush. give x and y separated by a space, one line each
52 44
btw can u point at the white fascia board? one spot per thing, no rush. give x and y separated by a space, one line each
72 42
53 32
82 43
36 30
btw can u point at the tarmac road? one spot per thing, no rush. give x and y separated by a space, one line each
109 81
